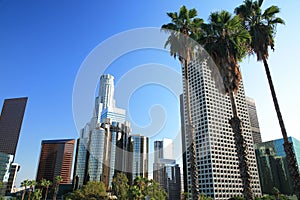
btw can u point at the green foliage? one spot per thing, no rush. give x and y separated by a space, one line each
204 197
92 190
145 188
226 41
120 186
37 195
261 26
46 184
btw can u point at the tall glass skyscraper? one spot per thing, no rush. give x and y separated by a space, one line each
10 124
165 170
253 120
217 161
138 156
103 140
272 165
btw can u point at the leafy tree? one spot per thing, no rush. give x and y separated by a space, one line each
120 186
58 180
92 190
183 27
46 184
225 39
262 28
154 191
145 188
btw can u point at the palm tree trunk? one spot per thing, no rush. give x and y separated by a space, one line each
23 194
46 194
241 148
191 138
288 146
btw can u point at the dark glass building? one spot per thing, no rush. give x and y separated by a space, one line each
56 160
138 157
10 124
272 165
253 120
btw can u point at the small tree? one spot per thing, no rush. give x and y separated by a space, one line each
92 190
145 188
46 184
31 184
120 186
37 195
58 180
24 184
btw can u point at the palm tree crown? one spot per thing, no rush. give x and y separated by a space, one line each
225 40
184 27
261 26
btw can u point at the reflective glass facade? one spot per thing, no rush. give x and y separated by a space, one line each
10 124
272 165
253 120
138 161
5 165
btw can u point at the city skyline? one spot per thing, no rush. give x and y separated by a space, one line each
43 66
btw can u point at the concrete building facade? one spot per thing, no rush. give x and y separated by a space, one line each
217 161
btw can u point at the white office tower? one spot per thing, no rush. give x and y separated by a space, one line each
105 102
102 139
217 161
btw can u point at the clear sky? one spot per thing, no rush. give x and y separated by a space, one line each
44 43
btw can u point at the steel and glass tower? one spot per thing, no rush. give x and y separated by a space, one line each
217 161
253 120
102 140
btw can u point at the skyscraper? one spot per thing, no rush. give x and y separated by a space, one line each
165 170
253 120
11 119
138 156
10 124
163 149
272 165
217 161
56 160
104 140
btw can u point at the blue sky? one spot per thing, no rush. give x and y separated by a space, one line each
44 43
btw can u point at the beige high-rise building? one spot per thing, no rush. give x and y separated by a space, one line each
217 161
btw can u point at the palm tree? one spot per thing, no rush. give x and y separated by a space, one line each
225 39
31 184
24 184
37 195
183 27
46 183
58 180
262 28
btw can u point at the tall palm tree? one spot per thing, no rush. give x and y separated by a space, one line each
184 26
31 184
46 184
24 184
58 180
262 28
225 39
